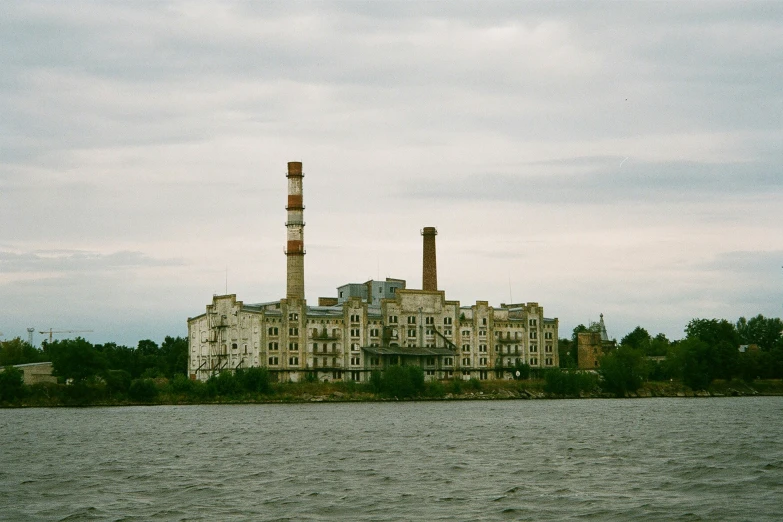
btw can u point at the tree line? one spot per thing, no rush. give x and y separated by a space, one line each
710 350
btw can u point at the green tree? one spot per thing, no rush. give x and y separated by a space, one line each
623 370
566 350
254 380
403 381
638 339
174 350
11 384
691 361
75 359
17 351
762 331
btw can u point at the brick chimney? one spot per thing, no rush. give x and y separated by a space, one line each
429 276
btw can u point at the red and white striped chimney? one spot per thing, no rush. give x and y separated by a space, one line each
295 226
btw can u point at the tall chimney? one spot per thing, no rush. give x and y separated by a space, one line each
429 275
295 226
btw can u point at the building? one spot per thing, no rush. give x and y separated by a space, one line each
592 345
35 373
368 326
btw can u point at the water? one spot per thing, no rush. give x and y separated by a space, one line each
657 459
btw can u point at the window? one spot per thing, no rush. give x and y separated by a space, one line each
356 361
375 361
533 322
411 319
411 332
484 321
465 333
483 375
448 361
234 346
293 331
482 333
466 361
465 347
245 348
354 347
374 332
534 361
273 361
429 320
533 334
548 348
293 347
354 318
430 372
293 361
549 361
447 320
273 346
354 332
447 332
533 348
392 319
483 348
482 361
273 330
293 317
355 376
449 374
430 361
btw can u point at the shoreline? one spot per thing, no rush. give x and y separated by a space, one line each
300 393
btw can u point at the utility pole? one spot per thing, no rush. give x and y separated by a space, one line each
30 336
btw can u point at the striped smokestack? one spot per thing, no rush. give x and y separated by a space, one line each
295 226
429 275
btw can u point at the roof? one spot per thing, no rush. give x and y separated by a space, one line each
407 350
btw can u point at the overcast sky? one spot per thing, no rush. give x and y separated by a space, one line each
622 158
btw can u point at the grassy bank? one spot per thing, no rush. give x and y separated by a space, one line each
168 392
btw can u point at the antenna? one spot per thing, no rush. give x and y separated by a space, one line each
510 296
226 280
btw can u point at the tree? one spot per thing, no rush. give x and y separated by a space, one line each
761 331
623 370
174 351
638 339
403 381
75 359
690 360
11 384
16 351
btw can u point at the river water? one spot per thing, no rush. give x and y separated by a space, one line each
654 459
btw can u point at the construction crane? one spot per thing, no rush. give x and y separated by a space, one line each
52 332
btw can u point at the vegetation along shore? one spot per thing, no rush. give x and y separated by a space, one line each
716 358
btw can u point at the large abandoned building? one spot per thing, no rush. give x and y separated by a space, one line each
367 326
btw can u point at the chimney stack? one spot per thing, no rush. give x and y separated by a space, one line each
429 277
295 226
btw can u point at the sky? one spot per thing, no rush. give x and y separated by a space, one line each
621 158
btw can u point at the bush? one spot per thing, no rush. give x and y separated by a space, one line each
474 384
403 381
455 386
376 381
435 389
254 380
143 390
566 383
182 384
117 381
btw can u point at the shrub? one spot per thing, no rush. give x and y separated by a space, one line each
435 389
182 384
143 390
403 381
474 384
566 383
117 381
455 386
254 380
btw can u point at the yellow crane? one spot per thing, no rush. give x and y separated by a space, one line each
51 332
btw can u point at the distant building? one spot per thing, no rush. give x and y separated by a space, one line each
593 345
368 326
35 373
